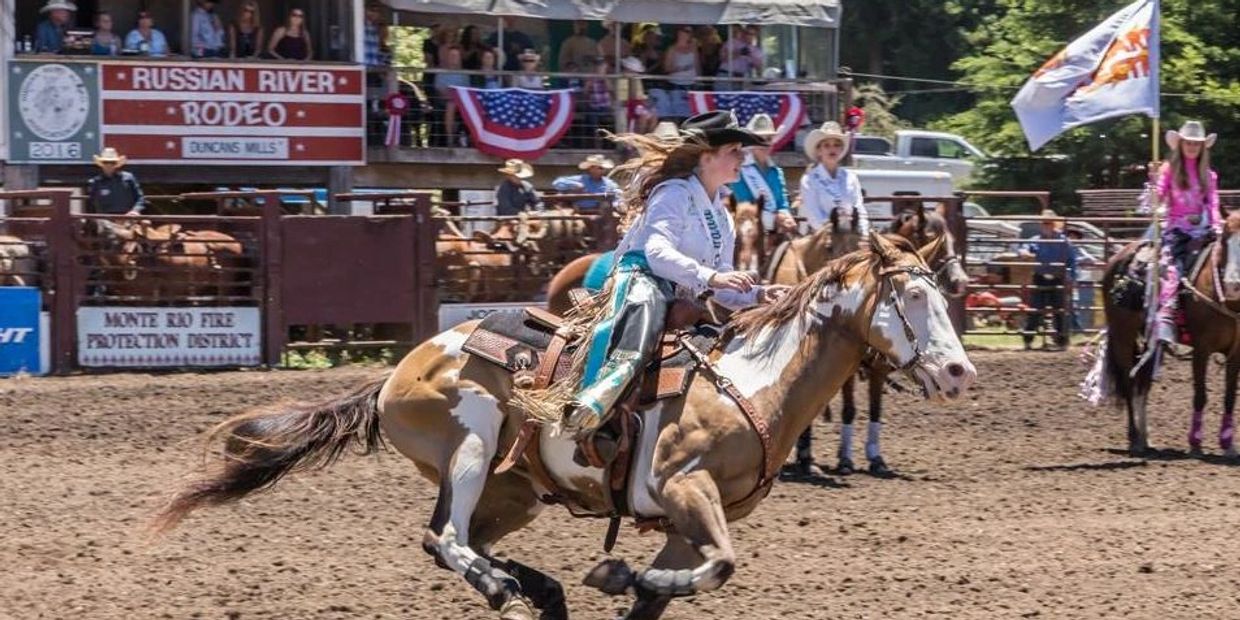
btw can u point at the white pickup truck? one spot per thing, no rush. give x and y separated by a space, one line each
928 151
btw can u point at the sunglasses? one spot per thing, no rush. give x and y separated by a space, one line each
298 14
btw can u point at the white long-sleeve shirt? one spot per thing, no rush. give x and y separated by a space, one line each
675 235
821 194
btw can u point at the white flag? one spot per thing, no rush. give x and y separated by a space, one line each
1111 71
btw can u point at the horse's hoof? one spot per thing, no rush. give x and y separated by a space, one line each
517 608
611 576
808 469
878 467
1195 450
845 467
1139 451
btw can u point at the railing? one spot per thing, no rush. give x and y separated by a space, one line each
433 120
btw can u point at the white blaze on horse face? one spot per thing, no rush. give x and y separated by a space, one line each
1231 273
944 369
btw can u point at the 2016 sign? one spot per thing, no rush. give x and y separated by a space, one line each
53 111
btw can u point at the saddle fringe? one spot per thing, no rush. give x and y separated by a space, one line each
547 405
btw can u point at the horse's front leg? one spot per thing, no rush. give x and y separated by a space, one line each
1227 430
844 465
695 511
873 453
1201 359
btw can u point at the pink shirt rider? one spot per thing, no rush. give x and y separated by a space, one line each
1193 201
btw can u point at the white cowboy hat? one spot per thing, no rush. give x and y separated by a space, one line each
762 125
829 129
633 64
529 55
110 156
53 5
666 130
596 161
1192 131
517 168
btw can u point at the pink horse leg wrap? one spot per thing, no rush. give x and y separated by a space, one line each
1195 432
1227 432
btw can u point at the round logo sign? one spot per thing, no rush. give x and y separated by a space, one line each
53 102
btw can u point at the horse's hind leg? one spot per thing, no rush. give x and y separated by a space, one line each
844 465
696 513
462 481
1201 360
874 429
1138 418
1227 430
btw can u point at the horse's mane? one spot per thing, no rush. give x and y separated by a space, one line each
806 294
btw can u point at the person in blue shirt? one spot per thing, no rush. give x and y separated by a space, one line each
49 35
761 177
1056 259
592 180
146 39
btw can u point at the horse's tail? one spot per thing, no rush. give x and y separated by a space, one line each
262 446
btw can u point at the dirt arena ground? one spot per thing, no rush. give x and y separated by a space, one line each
1015 503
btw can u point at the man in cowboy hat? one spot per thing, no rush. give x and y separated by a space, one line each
593 180
515 194
114 191
1056 259
49 36
760 176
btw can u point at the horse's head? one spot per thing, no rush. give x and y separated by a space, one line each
1231 255
910 325
923 228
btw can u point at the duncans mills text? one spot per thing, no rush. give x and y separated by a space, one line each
165 340
233 80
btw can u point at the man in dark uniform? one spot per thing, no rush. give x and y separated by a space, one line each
515 194
114 191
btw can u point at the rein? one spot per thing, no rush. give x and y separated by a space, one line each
888 275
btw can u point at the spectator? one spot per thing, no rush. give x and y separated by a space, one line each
710 47
578 50
245 34
761 176
515 42
647 46
206 31
49 35
599 105
375 36
146 39
444 81
291 41
593 180
104 42
514 193
490 79
113 191
681 62
639 116
1056 259
742 57
607 45
472 48
529 78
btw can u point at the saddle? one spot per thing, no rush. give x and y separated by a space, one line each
536 347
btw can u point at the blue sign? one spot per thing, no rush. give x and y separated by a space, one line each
19 329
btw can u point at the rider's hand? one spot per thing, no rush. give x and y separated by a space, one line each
785 222
773 292
735 280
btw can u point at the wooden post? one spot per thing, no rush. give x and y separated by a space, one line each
425 279
339 181
64 252
272 255
960 232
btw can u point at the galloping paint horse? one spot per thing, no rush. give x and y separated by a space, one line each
701 460
926 230
1212 313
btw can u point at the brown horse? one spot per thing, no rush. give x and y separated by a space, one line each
928 231
18 267
1212 313
139 261
699 463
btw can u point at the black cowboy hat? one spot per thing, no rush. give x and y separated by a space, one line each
718 128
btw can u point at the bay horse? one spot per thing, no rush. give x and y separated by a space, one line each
928 231
703 459
139 261
1211 309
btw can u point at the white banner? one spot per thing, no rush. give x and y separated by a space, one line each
153 337
451 315
203 147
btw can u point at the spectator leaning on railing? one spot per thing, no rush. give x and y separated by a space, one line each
515 42
245 33
291 41
104 42
593 180
529 78
489 79
578 50
49 35
375 37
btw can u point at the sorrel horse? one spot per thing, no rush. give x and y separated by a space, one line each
928 231
143 262
701 460
1212 313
